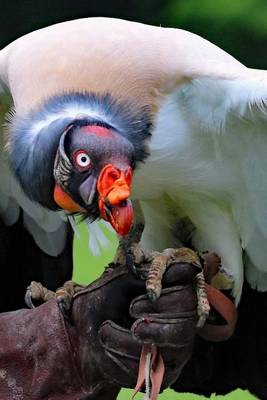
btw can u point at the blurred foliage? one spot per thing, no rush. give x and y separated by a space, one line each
238 26
18 17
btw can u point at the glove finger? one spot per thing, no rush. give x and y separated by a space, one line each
174 333
118 340
180 273
175 302
175 338
122 351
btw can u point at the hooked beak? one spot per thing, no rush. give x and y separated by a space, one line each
114 188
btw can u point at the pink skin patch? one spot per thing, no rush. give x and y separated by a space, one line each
97 130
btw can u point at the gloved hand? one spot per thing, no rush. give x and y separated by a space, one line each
114 356
44 357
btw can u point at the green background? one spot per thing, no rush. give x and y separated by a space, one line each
87 268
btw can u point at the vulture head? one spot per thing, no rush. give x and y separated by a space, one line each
78 153
93 174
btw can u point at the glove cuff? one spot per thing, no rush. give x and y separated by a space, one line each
36 341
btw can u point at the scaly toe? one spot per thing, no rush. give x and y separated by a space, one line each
203 307
37 292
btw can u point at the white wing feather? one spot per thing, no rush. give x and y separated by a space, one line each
47 227
209 154
233 114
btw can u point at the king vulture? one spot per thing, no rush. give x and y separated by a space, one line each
106 110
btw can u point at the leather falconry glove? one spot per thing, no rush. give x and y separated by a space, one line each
45 357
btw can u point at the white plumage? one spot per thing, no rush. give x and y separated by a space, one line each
208 155
208 150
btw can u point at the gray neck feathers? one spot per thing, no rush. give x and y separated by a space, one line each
32 157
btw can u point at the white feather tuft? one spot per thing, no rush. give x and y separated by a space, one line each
73 111
107 226
97 238
73 224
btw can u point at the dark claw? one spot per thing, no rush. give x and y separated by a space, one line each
129 260
152 296
64 311
28 298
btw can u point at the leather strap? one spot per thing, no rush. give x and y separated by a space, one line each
156 371
226 308
215 333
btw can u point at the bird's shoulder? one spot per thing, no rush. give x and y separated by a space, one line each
124 58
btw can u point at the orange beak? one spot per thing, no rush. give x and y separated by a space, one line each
114 187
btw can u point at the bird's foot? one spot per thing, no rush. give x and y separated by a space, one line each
36 292
214 273
135 257
216 276
182 256
161 261
203 307
156 272
64 297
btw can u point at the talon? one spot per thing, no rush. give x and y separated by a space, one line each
129 261
153 297
137 260
64 311
155 274
64 297
28 298
201 321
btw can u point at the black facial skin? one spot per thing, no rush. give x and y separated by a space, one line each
103 149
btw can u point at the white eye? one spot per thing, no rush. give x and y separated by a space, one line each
82 159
